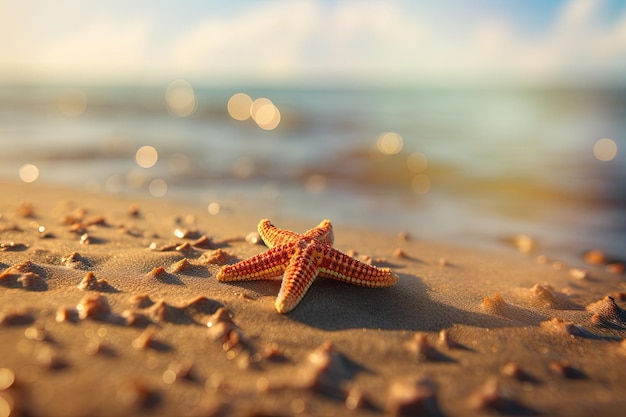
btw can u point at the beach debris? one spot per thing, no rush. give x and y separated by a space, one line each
183 266
134 210
494 304
147 340
301 258
99 347
399 253
163 312
559 326
447 342
545 296
424 350
356 399
523 243
606 311
167 247
403 237
217 257
90 282
565 370
24 275
25 210
135 318
221 328
443 262
21 317
186 248
578 273
13 246
94 306
179 370
141 300
412 397
327 371
160 274
203 242
186 233
65 313
76 261
615 267
27 280
491 396
595 257
50 358
139 394
272 352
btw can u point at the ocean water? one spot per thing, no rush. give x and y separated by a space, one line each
466 165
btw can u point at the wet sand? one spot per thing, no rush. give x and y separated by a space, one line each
111 306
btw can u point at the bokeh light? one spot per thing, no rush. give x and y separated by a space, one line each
239 106
390 143
146 156
605 149
157 187
265 113
214 208
417 162
72 102
29 173
180 98
421 184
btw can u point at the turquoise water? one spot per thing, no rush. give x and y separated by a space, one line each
499 162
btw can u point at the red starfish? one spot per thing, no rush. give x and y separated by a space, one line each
298 259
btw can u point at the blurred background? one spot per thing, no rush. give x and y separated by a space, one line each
452 120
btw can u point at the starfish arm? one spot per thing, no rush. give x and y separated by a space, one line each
266 265
273 236
323 233
339 266
299 275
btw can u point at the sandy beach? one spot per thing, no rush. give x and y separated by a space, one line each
111 306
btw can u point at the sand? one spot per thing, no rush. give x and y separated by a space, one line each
110 306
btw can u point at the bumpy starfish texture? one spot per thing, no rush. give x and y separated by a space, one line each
298 259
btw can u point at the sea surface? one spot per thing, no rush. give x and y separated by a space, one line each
473 166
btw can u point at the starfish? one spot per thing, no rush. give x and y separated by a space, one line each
298 259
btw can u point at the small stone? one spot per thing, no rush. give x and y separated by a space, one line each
595 257
412 397
94 306
399 253
615 267
65 313
578 273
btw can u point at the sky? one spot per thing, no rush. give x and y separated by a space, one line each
314 41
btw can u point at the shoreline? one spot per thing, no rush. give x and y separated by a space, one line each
466 331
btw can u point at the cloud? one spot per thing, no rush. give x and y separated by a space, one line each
315 40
